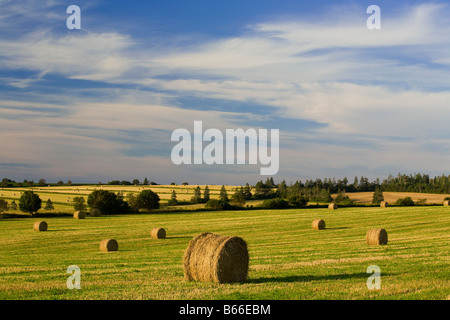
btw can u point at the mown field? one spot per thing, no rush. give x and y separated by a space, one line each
288 260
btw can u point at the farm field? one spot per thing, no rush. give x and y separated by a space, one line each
288 259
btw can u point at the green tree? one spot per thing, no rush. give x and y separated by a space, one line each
223 195
79 203
107 202
145 181
197 198
42 182
238 199
297 201
173 199
132 202
148 200
282 190
49 205
13 205
206 194
135 182
30 202
247 192
3 205
378 197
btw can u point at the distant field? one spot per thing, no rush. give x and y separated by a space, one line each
391 197
62 196
288 260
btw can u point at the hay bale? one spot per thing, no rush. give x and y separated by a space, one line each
158 233
377 237
40 226
79 215
107 245
214 258
318 224
332 206
95 213
384 204
447 203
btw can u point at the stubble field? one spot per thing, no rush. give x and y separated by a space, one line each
288 260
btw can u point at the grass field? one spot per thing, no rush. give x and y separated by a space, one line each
288 260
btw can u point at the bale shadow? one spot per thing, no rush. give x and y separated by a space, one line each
179 237
308 278
337 228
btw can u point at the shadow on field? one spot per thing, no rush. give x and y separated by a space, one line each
338 228
179 237
307 278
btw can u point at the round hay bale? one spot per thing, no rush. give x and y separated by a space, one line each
95 213
214 258
79 215
107 245
332 206
447 203
377 237
318 224
384 204
40 226
158 233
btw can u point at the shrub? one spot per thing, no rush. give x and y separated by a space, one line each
421 202
297 201
343 199
408 201
215 204
276 203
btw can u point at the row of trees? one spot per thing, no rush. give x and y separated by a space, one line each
107 202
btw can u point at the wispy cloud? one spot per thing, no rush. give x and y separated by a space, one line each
382 91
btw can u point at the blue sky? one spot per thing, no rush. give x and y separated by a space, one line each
100 103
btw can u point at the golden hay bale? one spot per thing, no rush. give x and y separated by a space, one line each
332 206
158 233
213 258
95 213
377 237
79 215
447 203
40 226
318 224
384 204
107 245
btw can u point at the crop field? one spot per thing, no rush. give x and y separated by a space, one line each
288 259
